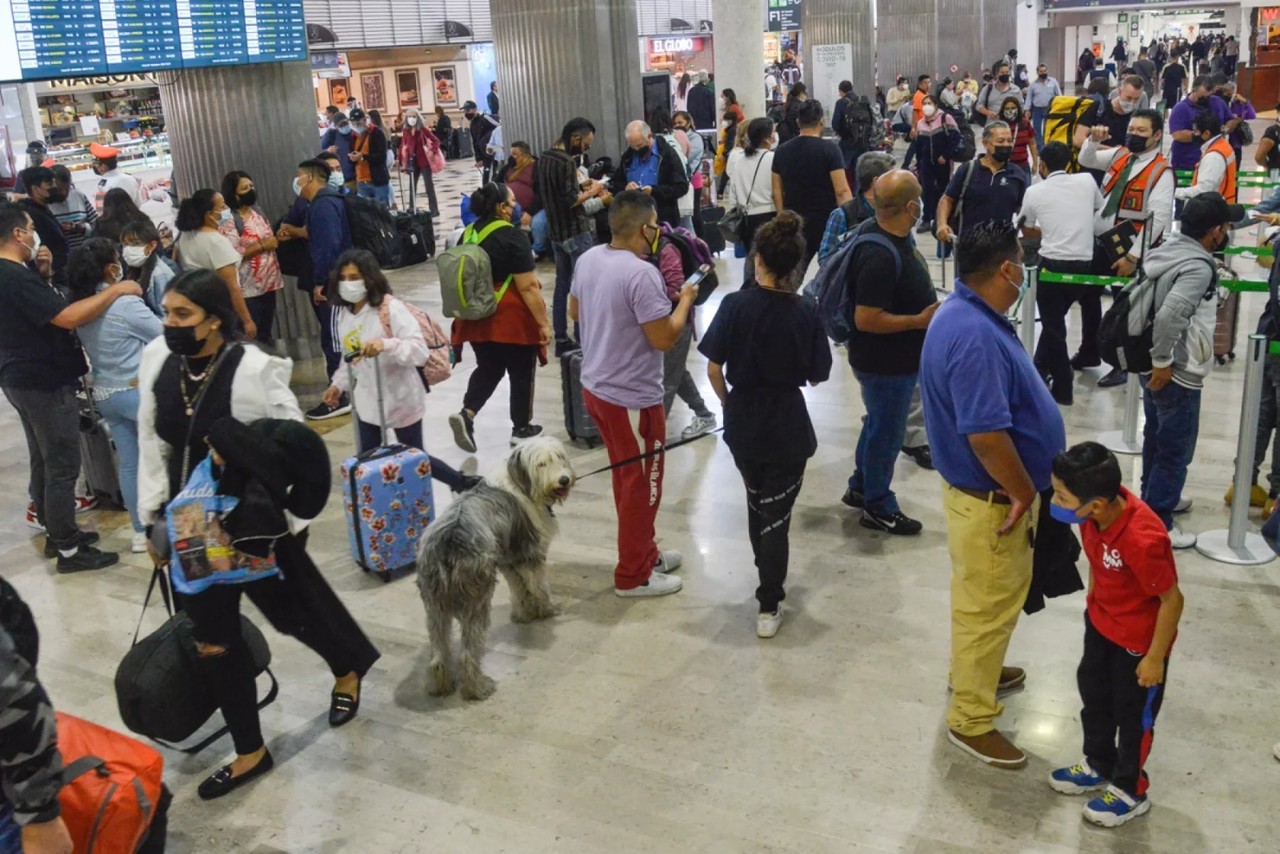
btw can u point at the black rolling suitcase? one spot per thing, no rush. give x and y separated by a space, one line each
577 422
98 453
414 229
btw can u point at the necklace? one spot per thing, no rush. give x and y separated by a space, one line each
190 399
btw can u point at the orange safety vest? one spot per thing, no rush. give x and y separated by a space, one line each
1133 201
1221 146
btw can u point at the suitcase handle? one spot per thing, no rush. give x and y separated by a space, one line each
350 359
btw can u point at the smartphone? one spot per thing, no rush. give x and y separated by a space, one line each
698 275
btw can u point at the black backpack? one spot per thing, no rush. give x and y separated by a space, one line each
968 144
858 124
373 229
1127 331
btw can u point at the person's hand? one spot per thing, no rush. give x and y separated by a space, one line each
945 234
333 149
44 261
332 396
648 191
606 199
688 293
317 295
479 164
47 837
128 288
1125 266
1150 671
1160 377
250 330
1098 133
1018 508
355 156
544 335
526 219
268 244
926 316
942 161
155 555
633 186
373 348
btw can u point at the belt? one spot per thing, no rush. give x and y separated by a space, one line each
991 497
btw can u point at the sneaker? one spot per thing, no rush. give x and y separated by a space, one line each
853 498
1011 678
699 425
323 411
519 435
1181 539
767 625
1079 363
1257 496
922 455
1077 779
1184 504
1113 808
33 521
668 561
84 503
138 545
657 585
896 523
1113 378
86 558
83 538
991 747
464 431
467 483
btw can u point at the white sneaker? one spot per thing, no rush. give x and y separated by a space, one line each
767 625
139 544
657 585
1183 505
1181 539
668 561
699 425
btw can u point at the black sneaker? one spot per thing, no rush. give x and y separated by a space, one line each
521 433
1079 362
83 538
853 498
323 411
464 430
467 483
86 558
1114 378
922 455
897 523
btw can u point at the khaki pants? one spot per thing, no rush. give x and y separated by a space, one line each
990 576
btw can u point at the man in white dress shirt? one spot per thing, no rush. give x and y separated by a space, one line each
106 163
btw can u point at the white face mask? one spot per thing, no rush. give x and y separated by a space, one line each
35 243
411 121
929 110
134 256
335 178
352 290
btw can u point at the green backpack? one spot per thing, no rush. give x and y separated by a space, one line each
466 276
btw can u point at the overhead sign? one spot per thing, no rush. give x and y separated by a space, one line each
678 44
782 16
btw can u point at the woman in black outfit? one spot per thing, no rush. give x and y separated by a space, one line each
196 375
118 210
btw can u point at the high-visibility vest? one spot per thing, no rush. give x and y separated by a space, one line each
1135 194
1221 146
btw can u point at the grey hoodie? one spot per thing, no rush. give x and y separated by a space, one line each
1186 299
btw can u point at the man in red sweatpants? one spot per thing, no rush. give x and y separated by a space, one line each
625 322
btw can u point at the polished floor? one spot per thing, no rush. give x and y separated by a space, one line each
667 726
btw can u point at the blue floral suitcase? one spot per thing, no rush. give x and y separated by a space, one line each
388 500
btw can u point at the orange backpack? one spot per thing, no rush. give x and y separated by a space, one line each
110 787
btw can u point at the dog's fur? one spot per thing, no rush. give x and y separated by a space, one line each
505 525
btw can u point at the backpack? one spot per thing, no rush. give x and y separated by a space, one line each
980 119
694 252
439 364
968 144
830 288
373 229
466 276
857 126
111 787
1060 123
1126 333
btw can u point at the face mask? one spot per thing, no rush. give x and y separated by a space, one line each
56 197
182 340
929 110
919 216
1044 75
114 274
1002 153
1023 284
225 216
903 87
297 186
1137 144
1066 516
1226 240
411 121
335 178
1003 78
249 199
1011 115
353 290
1126 107
35 243
1200 102
361 128
134 256
345 131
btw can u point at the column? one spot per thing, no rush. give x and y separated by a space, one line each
558 59
739 52
828 22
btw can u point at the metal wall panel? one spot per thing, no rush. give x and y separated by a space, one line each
385 23
906 39
999 29
959 29
653 17
843 22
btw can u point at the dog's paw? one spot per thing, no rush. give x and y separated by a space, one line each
550 610
439 681
481 688
521 616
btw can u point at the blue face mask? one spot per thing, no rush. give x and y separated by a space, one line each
345 130
297 187
1065 516
335 178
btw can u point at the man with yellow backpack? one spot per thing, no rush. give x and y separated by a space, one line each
1065 113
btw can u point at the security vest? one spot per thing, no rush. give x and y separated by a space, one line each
1221 146
1134 194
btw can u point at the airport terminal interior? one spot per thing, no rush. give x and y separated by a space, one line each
656 724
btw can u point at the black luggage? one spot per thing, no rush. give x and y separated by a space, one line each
98 453
713 236
578 424
373 229
466 146
414 228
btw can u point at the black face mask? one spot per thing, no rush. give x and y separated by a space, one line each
1003 78
182 340
1044 75
1002 153
249 199
1137 144
1200 102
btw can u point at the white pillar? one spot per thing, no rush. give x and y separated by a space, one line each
1028 34
739 52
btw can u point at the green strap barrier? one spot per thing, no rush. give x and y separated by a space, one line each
1244 286
1240 286
1256 251
1250 173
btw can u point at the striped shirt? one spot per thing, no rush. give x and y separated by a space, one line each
76 210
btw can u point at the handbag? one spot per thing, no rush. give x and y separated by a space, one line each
736 217
435 159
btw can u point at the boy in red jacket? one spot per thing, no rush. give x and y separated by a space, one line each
1131 619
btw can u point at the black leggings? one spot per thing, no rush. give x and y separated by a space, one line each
772 489
493 361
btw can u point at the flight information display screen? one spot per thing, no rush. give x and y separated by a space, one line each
48 39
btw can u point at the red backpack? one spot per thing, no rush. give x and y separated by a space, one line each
439 364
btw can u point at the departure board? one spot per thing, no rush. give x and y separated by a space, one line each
49 39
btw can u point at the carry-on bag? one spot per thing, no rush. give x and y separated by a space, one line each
577 422
111 787
1228 323
98 453
387 497
414 229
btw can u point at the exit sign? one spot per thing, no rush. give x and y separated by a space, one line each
782 16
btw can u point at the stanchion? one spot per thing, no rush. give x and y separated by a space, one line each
1127 441
1027 316
1237 545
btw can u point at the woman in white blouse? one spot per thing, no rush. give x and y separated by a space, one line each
750 170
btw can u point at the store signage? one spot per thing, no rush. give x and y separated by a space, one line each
782 16
675 45
1269 14
93 82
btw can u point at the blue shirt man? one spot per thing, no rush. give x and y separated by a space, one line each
643 168
339 139
1040 95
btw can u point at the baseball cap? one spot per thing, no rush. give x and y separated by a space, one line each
470 105
1209 210
356 115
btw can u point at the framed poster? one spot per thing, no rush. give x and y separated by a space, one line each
445 82
371 93
339 92
407 87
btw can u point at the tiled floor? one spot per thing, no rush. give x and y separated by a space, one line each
666 725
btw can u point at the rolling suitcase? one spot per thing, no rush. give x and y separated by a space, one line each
414 229
98 452
713 235
577 422
1224 331
387 499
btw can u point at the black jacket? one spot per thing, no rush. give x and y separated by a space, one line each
702 107
482 127
672 184
1053 560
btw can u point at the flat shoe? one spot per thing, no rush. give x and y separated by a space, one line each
342 708
222 783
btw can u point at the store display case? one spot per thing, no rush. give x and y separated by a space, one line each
147 152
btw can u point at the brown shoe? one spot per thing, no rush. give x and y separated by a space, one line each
1011 678
991 747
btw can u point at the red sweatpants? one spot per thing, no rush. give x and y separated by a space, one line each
637 486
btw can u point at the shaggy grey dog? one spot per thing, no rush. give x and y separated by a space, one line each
503 525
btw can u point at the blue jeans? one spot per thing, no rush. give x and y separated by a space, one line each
10 833
1168 444
538 229
369 191
567 253
1038 115
121 414
887 399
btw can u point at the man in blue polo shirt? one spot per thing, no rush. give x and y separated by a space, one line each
993 192
994 430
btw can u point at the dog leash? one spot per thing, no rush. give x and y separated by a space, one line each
661 450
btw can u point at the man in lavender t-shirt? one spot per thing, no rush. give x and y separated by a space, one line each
625 322
1185 153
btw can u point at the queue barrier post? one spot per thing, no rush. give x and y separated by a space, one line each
1027 316
1125 440
1237 544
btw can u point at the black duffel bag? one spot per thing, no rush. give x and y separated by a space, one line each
161 689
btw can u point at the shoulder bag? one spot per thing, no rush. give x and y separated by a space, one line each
736 217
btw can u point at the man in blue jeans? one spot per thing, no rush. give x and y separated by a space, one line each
893 301
1186 305
1040 95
